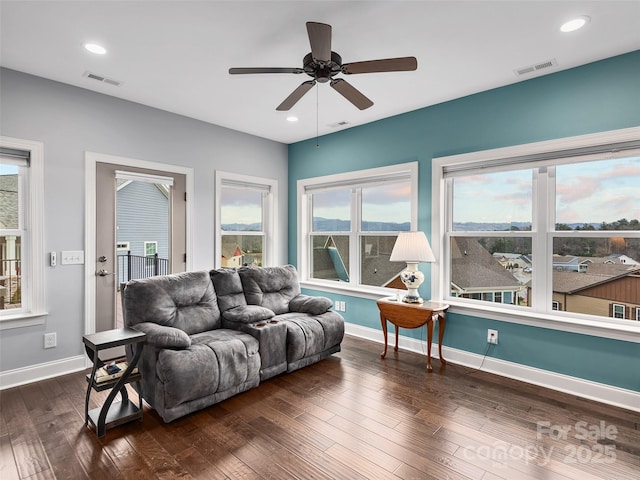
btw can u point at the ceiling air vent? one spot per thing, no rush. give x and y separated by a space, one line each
535 68
100 78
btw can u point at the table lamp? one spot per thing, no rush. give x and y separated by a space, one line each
412 248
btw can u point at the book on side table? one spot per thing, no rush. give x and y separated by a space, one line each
112 371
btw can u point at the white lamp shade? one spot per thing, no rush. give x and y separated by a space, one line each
412 247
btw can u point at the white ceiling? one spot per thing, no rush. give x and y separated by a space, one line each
175 55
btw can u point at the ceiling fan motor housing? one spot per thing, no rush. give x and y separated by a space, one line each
321 71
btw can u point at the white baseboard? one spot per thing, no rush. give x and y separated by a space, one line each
42 371
580 387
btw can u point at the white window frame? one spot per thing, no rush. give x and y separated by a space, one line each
621 306
150 242
559 320
33 310
638 314
269 212
343 181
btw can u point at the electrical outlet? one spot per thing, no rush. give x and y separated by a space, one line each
492 336
50 340
343 306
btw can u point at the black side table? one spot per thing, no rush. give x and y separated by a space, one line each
112 414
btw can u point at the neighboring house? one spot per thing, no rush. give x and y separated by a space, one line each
614 294
569 263
477 274
331 258
512 260
237 258
9 244
232 259
614 259
142 224
9 201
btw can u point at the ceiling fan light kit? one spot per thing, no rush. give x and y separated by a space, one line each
322 64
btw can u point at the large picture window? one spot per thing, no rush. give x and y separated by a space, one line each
552 231
350 222
245 220
21 251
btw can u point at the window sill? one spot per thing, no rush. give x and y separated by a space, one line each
582 324
626 330
23 319
372 293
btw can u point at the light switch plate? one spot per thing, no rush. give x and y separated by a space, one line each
72 257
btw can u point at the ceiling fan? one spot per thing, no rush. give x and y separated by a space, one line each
322 65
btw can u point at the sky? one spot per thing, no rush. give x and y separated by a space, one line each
587 192
386 203
8 169
241 205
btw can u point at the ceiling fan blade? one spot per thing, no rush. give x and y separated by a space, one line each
351 93
402 64
242 70
320 40
296 95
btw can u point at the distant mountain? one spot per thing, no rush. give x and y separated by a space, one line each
242 227
503 227
334 225
490 226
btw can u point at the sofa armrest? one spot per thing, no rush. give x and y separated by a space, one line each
162 336
248 314
309 304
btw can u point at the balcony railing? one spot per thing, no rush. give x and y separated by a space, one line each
133 267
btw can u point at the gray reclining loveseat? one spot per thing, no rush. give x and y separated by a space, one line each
211 335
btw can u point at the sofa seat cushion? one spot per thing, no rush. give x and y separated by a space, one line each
309 335
216 361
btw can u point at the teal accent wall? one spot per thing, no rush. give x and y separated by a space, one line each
597 97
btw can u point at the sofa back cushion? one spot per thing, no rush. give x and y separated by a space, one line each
270 287
182 300
228 287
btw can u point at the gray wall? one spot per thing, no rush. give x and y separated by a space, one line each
70 121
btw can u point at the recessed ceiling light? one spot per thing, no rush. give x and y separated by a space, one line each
292 118
574 24
95 48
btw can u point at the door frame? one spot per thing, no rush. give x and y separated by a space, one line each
91 159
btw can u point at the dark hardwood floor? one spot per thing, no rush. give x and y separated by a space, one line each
353 416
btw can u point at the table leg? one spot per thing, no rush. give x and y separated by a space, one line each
383 321
94 358
442 323
429 340
397 329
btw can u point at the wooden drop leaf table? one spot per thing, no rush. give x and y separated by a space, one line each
413 315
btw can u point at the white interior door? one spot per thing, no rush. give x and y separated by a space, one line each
138 213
